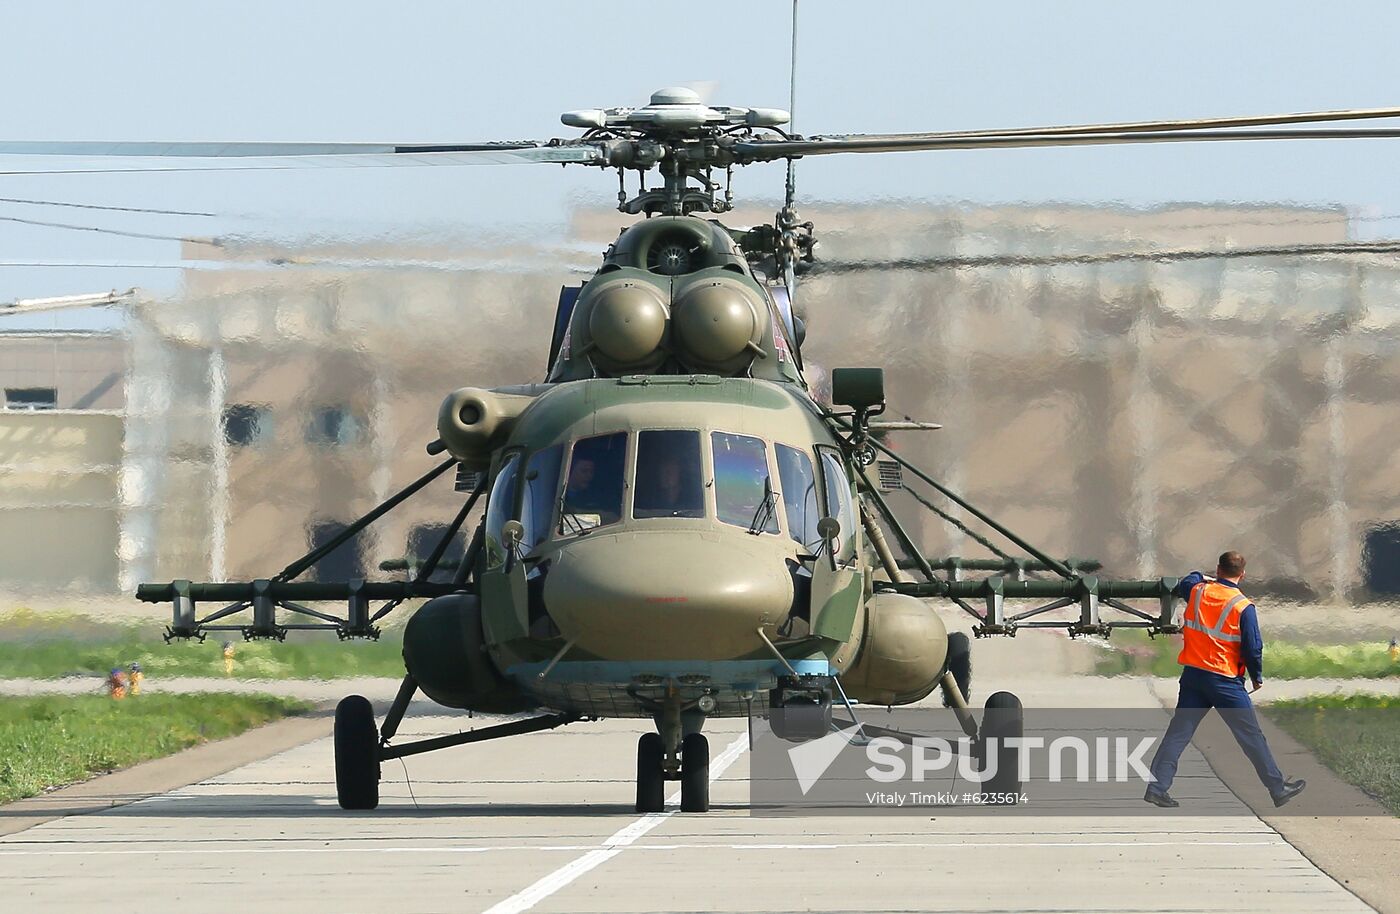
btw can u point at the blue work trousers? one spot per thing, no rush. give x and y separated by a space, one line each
1201 691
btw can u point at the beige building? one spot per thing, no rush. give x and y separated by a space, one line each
60 460
1146 414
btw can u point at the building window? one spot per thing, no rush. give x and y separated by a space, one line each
31 397
1380 557
423 539
333 426
345 561
245 424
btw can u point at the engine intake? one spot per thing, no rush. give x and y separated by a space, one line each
472 421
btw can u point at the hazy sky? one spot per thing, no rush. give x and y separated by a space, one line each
424 72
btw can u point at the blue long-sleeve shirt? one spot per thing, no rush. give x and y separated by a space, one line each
1251 641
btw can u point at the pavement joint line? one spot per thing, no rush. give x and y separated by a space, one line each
614 845
562 848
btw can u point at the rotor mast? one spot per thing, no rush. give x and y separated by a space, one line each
682 138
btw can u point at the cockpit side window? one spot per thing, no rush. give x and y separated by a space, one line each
499 508
799 484
744 490
668 475
541 494
837 488
593 494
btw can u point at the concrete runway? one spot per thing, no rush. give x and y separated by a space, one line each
544 822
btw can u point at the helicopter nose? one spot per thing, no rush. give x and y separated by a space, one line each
668 595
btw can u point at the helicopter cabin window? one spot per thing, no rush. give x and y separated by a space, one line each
593 495
837 486
668 475
499 509
799 484
541 494
744 492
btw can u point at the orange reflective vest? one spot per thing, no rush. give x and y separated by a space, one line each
1210 629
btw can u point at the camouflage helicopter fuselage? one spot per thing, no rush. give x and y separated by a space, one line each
652 532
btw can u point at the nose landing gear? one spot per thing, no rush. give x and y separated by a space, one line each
695 773
651 774
690 765
678 751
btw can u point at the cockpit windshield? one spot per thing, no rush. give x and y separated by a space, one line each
498 509
744 490
838 499
593 495
799 485
668 475
541 494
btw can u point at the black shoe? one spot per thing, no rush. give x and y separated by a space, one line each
1290 790
1160 798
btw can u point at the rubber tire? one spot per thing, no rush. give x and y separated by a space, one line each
651 779
695 773
1003 719
356 754
960 665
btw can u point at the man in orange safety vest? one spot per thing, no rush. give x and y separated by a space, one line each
1220 644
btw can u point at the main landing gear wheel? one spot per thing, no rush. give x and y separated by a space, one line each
960 664
1003 720
356 754
695 773
651 777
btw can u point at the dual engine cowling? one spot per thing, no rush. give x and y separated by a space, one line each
710 324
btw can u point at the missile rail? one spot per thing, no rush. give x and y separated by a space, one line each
266 597
1089 593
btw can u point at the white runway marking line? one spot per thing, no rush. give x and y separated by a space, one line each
543 888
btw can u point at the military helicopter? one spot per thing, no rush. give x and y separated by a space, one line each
675 527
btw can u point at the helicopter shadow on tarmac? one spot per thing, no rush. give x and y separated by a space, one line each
322 806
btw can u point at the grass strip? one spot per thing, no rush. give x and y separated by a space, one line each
308 657
48 741
1139 655
1356 736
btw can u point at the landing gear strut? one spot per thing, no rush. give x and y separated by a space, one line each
360 747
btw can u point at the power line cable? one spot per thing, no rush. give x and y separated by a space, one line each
114 209
68 226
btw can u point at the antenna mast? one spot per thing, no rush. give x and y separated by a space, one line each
795 239
792 108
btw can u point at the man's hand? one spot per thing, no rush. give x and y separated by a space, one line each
1258 684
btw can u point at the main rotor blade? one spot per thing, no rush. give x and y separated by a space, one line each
150 157
768 150
325 264
827 267
1207 123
